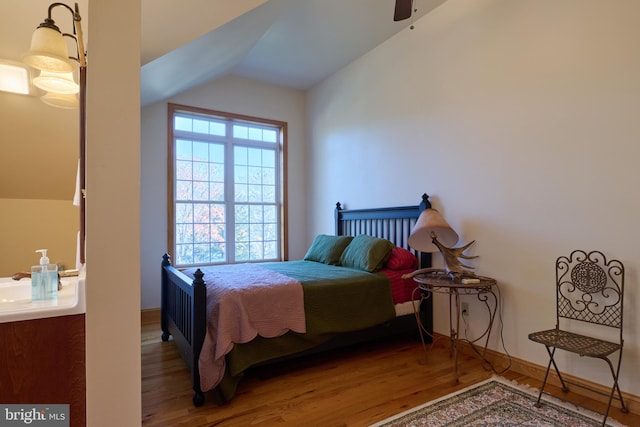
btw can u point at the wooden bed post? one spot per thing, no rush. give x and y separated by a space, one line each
425 257
426 306
425 204
338 223
166 262
199 328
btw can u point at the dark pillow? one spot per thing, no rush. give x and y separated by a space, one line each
401 259
327 249
366 253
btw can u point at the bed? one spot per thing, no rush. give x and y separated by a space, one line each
313 321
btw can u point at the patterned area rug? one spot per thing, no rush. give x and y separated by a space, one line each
496 402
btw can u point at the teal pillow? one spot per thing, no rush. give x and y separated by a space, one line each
327 249
366 253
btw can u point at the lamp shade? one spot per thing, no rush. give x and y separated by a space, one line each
56 82
49 51
430 223
61 100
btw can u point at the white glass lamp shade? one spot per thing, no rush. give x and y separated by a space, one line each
62 83
430 224
61 100
49 52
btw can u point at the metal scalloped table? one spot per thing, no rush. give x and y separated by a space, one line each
483 289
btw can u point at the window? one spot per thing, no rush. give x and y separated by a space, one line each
226 187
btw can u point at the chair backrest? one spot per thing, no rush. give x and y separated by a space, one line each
590 288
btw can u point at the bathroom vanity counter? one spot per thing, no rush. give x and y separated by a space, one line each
42 346
16 304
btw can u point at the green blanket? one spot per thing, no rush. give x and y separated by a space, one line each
336 299
339 299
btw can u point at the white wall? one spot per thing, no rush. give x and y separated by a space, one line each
520 119
30 224
234 95
113 215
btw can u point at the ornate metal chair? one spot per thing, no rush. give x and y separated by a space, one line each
589 289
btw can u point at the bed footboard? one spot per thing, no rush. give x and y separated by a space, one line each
183 316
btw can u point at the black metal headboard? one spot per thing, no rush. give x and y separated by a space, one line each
394 224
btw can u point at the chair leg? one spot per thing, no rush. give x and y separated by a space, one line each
553 361
546 375
564 385
624 409
615 387
613 390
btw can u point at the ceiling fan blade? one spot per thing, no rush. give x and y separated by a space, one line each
403 10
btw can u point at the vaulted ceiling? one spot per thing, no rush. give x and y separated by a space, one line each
294 43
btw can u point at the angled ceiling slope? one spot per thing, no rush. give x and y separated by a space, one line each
169 24
292 43
315 38
207 57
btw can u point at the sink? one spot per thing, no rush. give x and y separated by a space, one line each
16 304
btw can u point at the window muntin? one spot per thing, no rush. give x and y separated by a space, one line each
227 188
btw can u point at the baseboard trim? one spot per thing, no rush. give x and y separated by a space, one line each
582 387
150 316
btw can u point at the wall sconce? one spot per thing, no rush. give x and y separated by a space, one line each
56 82
61 100
61 89
49 54
432 234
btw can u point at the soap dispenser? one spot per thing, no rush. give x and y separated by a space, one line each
44 279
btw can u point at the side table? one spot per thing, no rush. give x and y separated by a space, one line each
479 286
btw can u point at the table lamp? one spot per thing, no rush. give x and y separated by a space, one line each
432 234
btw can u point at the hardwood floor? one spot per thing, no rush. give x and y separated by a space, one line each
354 387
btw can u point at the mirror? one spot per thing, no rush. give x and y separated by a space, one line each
40 150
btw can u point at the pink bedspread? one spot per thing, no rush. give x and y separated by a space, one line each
243 301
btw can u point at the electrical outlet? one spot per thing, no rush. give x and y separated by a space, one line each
465 308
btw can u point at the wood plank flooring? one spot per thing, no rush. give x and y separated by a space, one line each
354 387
